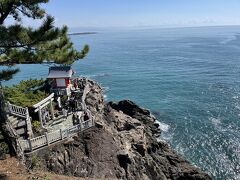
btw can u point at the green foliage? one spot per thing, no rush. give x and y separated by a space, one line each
7 74
64 99
34 161
26 93
47 178
26 45
3 145
17 8
36 126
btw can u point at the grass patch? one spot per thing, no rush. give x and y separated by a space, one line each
34 161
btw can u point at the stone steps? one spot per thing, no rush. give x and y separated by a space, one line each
12 119
21 131
16 122
19 124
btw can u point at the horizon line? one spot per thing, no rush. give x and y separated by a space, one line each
151 27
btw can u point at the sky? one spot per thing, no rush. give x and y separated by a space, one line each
143 13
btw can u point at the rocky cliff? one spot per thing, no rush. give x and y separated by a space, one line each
124 144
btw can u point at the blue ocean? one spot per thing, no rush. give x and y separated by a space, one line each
188 77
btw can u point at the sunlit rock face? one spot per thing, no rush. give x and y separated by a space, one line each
124 144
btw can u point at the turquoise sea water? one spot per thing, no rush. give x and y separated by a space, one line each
188 77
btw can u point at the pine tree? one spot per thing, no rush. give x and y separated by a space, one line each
27 45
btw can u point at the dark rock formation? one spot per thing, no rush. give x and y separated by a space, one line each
123 145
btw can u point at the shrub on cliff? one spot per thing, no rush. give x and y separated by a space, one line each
26 93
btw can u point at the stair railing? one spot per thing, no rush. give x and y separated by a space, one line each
56 136
21 112
17 110
29 124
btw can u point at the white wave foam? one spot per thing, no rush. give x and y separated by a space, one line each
102 75
237 107
105 96
235 97
164 127
215 121
105 88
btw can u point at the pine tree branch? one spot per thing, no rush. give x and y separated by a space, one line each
7 74
1 8
25 45
23 12
8 10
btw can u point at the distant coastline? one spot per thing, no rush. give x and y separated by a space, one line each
81 33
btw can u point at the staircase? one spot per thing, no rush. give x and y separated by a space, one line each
20 121
19 125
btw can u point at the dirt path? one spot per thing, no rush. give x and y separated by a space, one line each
11 169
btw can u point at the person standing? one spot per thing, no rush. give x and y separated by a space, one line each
65 113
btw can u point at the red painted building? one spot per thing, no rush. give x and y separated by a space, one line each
60 78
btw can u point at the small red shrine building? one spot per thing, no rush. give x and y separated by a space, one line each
60 78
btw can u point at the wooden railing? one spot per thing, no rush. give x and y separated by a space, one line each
17 110
23 113
52 137
63 91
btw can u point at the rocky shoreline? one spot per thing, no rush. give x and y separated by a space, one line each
123 145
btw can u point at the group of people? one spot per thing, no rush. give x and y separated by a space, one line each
45 116
72 105
78 117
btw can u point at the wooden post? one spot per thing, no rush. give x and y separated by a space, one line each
81 123
79 127
29 124
9 107
30 144
51 109
67 133
61 134
46 135
40 116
